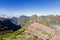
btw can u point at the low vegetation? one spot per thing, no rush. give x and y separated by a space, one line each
20 31
20 34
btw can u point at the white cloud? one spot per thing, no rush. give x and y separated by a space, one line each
11 13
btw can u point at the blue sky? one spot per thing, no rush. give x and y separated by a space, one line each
29 7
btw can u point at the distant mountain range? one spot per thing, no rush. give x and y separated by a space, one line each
22 20
14 24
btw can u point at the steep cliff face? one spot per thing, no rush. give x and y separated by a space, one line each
5 24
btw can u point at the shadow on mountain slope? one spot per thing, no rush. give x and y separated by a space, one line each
7 25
